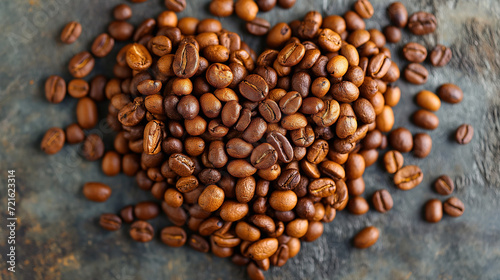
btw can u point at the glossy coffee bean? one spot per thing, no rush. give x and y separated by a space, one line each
414 52
97 192
81 64
433 211
55 89
454 207
428 100
392 34
364 8
425 119
398 14
450 93
357 205
110 222
102 45
440 56
382 201
401 140
366 237
444 185
141 231
422 145
71 32
93 147
422 23
464 134
53 141
254 88
173 236
408 177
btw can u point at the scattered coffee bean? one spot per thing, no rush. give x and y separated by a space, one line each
416 74
382 201
53 141
464 134
422 145
440 55
97 192
110 222
71 32
422 23
141 231
444 185
366 237
433 211
454 207
408 177
450 93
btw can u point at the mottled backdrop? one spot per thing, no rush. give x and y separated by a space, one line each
58 236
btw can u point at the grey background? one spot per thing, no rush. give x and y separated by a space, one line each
58 236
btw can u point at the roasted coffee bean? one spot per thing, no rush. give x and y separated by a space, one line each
291 102
428 100
186 61
55 89
97 86
81 64
181 164
255 130
199 243
97 192
322 187
138 57
366 237
288 180
186 184
93 147
337 66
120 30
329 41
254 88
398 14
258 26
211 198
382 201
281 145
312 105
357 205
153 136
146 210
401 140
354 166
264 156
141 231
408 177
278 35
53 141
71 32
291 54
422 23
450 93
221 8
364 8
270 111
392 34
416 74
102 45
175 5
283 200
74 134
425 119
379 66
440 55
173 236
246 9
111 163
317 152
444 185
433 211
414 52
122 12
454 207
422 145
110 222
78 88
464 134
364 111
132 113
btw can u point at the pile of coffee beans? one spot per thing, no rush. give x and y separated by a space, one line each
248 155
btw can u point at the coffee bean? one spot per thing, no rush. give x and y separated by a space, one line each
255 130
422 23
133 112
322 187
186 61
328 40
364 8
422 145
450 93
366 237
254 88
263 156
379 66
428 100
175 5
71 32
337 66
81 64
444 185
141 231
138 57
258 26
433 211
357 205
398 14
454 207
93 147
317 151
97 192
288 180
401 140
415 52
122 12
278 35
382 201
291 54
440 55
111 163
246 9
211 198
78 88
408 177
283 200
464 134
286 4
110 222
392 34
425 119
173 236
344 92
364 110
281 145
416 74
55 89
74 134
102 45
120 30
53 141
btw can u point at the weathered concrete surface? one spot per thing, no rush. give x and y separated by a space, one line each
57 234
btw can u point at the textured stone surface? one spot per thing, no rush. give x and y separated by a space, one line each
58 236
